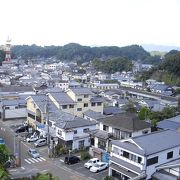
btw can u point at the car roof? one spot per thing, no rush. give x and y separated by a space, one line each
99 163
94 159
31 149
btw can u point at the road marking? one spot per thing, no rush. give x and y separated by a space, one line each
27 161
22 167
42 159
39 159
61 160
13 170
35 159
31 160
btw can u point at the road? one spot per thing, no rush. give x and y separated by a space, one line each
30 166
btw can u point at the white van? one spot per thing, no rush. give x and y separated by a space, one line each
40 142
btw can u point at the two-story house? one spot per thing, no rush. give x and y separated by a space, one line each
119 126
71 130
85 100
148 156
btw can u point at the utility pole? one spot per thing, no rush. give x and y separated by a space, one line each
47 122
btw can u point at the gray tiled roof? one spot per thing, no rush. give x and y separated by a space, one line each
162 174
112 110
166 124
100 134
62 98
126 122
96 99
15 89
82 91
94 115
158 141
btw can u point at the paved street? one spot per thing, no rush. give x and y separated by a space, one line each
30 166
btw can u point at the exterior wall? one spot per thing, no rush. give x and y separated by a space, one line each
32 107
140 165
162 158
63 86
70 135
76 143
13 113
80 104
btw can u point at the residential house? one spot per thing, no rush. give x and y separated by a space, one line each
69 130
119 126
75 101
161 89
148 156
85 100
64 85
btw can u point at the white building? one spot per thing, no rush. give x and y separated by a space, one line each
146 156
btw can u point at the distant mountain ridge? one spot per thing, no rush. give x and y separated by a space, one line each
162 48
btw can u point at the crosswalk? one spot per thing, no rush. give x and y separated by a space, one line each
33 160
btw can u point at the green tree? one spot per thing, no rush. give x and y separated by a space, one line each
143 113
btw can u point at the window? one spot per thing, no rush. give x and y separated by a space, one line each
85 104
81 144
79 99
170 155
145 132
125 154
71 106
79 109
16 107
85 130
31 116
59 132
99 103
152 161
7 107
22 106
64 106
105 128
75 131
86 96
93 104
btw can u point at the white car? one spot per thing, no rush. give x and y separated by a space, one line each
40 142
91 163
99 167
33 153
32 139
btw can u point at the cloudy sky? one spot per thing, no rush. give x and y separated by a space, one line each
90 22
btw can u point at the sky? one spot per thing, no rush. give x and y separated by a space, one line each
90 22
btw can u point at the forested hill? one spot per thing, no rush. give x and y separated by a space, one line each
73 51
167 71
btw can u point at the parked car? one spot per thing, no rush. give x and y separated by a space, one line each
2 141
32 139
21 129
99 166
91 162
71 159
40 142
33 153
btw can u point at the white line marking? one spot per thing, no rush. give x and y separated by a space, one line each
35 159
42 159
22 167
61 160
39 159
31 160
44 170
27 161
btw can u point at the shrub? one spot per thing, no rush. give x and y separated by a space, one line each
108 178
85 155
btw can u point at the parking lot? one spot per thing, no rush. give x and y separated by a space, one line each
79 167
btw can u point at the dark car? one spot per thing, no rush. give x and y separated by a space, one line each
21 129
71 159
